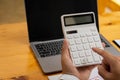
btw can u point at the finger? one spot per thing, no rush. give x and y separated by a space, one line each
103 44
64 47
118 57
65 58
65 52
103 72
107 56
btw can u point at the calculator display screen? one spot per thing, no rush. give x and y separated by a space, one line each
78 19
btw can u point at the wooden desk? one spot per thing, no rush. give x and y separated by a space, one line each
108 5
110 26
17 59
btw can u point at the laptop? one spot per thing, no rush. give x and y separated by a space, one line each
44 28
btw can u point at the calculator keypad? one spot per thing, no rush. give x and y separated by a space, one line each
81 48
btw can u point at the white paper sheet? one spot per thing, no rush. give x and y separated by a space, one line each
94 75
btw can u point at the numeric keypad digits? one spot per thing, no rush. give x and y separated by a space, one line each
80 48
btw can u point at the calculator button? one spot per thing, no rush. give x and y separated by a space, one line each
71 42
88 52
86 46
90 39
75 55
78 41
96 57
92 45
76 36
83 60
69 37
82 34
89 34
90 59
73 48
98 45
96 39
84 40
77 61
79 47
81 53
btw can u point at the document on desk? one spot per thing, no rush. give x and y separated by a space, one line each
93 76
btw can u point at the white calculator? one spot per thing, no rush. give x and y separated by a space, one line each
81 32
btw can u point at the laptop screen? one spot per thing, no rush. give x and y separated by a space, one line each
43 17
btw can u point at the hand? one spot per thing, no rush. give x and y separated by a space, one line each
110 67
82 73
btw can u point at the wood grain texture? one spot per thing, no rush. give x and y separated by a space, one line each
16 56
110 26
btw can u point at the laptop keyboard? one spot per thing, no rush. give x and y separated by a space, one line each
49 48
54 48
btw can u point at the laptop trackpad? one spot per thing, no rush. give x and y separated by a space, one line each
51 64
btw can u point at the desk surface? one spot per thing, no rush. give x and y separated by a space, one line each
110 26
17 61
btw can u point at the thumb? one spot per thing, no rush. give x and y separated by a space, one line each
65 48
